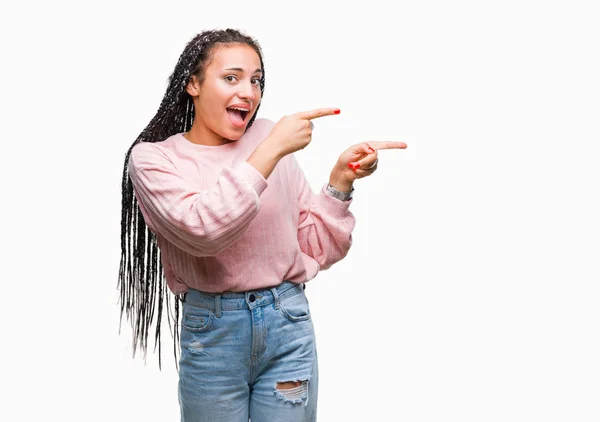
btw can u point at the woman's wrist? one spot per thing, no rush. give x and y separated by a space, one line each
264 159
339 182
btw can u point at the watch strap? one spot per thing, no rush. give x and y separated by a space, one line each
342 196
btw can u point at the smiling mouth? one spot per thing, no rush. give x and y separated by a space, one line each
237 115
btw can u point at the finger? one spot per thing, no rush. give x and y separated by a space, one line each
360 173
387 145
367 148
365 164
319 112
359 151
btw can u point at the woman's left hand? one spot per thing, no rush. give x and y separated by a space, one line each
358 161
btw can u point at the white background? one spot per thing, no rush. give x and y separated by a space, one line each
472 290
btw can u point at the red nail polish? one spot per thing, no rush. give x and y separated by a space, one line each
336 111
371 149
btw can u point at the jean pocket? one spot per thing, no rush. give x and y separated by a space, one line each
295 308
196 320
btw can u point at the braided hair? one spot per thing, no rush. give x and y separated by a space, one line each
143 289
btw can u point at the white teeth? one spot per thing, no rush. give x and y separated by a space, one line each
241 109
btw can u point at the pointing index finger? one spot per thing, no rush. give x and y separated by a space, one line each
319 112
386 145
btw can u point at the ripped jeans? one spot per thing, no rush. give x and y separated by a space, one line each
248 355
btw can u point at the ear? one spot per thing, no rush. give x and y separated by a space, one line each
193 86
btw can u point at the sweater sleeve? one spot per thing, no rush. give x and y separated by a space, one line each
200 222
325 224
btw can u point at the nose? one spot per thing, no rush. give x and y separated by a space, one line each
247 92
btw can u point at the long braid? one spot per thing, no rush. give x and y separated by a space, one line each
142 284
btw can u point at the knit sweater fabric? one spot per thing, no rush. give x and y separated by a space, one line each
221 226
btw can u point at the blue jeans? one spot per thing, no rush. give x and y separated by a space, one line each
236 349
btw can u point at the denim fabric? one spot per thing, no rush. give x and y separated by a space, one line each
236 348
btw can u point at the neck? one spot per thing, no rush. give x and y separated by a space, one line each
200 134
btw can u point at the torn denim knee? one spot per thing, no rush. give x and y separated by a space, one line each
294 395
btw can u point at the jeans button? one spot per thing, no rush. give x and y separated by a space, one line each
252 298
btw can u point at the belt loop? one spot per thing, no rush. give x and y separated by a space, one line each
276 296
218 306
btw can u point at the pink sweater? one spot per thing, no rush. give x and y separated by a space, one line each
221 226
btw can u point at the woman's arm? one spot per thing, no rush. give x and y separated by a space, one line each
200 222
325 223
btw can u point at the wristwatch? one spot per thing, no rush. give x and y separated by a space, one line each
342 196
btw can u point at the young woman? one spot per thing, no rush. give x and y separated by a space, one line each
215 204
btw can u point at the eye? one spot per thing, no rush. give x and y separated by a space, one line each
256 81
230 78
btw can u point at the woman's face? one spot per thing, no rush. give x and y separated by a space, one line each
230 92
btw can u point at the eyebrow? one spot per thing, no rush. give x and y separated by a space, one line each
239 69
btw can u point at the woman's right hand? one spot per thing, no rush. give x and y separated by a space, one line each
294 132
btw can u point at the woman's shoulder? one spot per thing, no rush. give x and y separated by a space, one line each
148 152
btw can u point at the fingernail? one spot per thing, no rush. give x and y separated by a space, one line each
336 111
354 166
371 149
